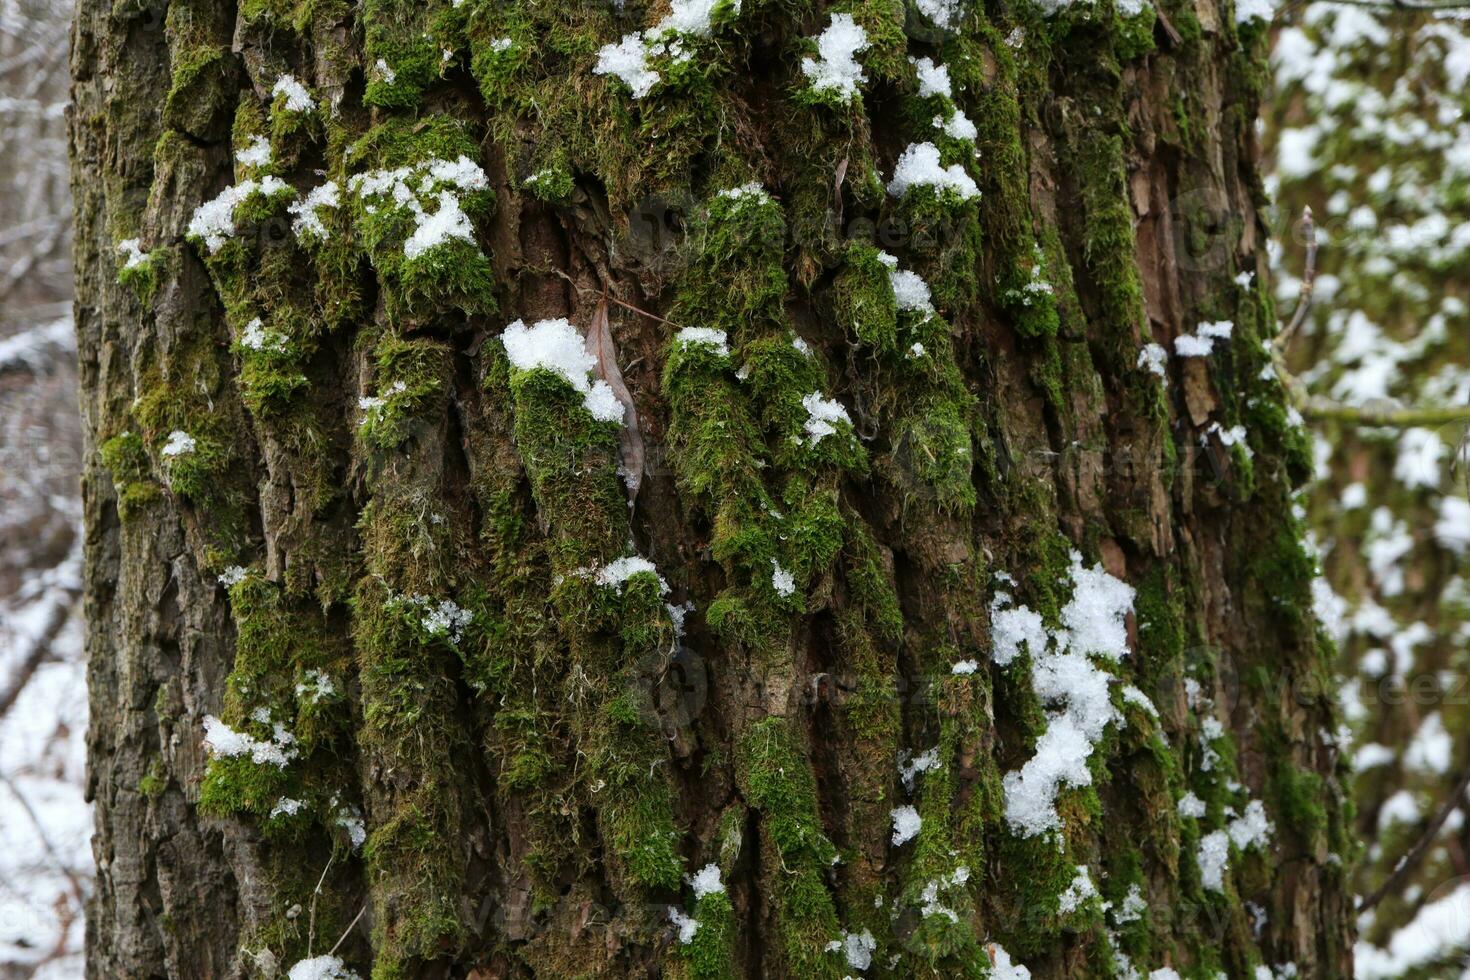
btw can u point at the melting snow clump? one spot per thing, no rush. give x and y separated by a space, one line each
836 69
556 346
919 167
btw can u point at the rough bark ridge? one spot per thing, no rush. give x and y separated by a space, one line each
387 552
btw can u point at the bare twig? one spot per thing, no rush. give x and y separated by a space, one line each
311 916
40 650
1398 5
348 931
1316 408
78 892
604 292
1412 858
1309 280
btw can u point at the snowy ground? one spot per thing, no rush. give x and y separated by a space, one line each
45 825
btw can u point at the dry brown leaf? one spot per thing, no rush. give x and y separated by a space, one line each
600 345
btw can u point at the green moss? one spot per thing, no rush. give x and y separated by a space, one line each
403 58
155 779
709 955
126 458
571 459
199 92
1029 296
776 780
295 14
1134 36
210 475
142 277
453 274
735 280
409 724
553 183
1284 571
862 298
944 240
412 382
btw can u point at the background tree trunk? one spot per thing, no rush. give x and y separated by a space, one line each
363 635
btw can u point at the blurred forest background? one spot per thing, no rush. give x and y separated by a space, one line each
1368 126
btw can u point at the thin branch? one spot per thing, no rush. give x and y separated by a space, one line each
316 893
1319 409
603 292
1398 5
1316 408
1309 280
350 926
39 652
1409 860
78 892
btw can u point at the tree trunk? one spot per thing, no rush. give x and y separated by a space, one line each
780 631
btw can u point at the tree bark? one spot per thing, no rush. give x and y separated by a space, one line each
482 702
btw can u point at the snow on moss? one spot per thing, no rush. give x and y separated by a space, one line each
257 154
615 574
910 291
1213 855
1073 689
556 346
308 210
1001 967
1132 907
132 251
223 741
782 580
1250 830
349 818
213 222
179 444
836 69
933 78
717 340
1202 342
286 806
439 618
707 881
1077 893
906 824
910 768
687 925
1152 359
750 192
1010 628
944 13
919 166
447 222
856 947
822 416
435 181
322 968
628 59
256 337
297 98
957 126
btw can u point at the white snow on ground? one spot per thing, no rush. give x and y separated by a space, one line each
45 824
